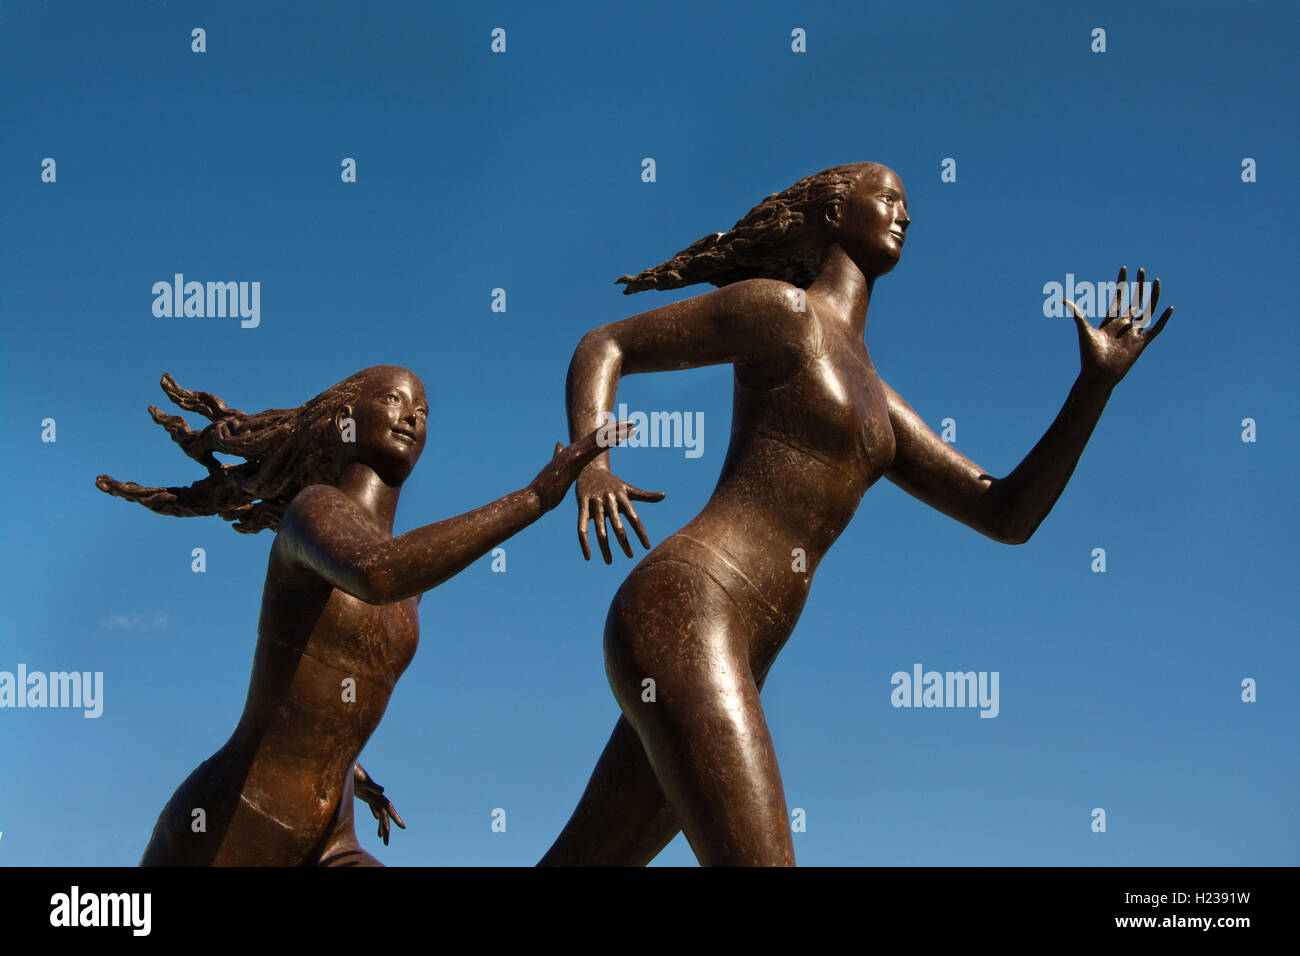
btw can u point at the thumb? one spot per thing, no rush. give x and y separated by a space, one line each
1080 321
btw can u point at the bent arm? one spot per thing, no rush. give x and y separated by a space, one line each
323 530
1007 509
747 323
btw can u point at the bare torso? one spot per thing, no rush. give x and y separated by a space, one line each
325 666
803 451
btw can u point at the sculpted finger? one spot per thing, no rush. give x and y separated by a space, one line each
635 521
1145 318
1135 312
1080 320
617 522
607 436
634 492
392 811
1121 284
584 517
1155 330
602 533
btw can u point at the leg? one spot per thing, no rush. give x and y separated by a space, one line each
704 733
622 818
340 846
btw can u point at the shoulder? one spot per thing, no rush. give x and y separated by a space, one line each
765 297
774 317
315 496
322 525
775 312
310 505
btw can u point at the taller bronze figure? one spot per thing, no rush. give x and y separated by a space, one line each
339 621
813 427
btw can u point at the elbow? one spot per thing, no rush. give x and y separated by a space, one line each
598 347
1005 529
1012 534
595 343
598 353
1004 520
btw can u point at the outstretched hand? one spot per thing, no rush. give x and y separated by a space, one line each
1107 352
601 495
381 808
563 469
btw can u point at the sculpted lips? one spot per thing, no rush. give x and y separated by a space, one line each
403 433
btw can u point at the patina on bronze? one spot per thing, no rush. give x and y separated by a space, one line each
339 620
813 427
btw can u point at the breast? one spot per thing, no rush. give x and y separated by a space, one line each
376 640
876 433
844 414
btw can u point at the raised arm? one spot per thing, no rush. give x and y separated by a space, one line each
751 324
323 530
1010 509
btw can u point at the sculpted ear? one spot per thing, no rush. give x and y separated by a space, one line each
833 210
345 411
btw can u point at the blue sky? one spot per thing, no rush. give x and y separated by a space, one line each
522 171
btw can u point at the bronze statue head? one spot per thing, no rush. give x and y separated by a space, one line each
788 234
287 449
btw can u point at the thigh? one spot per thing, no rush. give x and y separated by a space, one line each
700 722
339 846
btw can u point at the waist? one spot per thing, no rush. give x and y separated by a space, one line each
787 492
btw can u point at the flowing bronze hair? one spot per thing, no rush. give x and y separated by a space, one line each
770 242
286 449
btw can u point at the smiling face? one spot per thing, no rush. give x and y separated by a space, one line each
390 417
871 222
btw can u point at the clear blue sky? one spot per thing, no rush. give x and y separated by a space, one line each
522 171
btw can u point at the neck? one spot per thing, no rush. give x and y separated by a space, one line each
845 288
376 498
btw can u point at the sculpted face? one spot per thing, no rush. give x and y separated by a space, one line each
871 223
390 418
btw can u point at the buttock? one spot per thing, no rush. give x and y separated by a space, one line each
686 585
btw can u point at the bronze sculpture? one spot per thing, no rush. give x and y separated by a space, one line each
705 613
339 620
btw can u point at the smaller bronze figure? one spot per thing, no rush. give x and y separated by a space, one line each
339 619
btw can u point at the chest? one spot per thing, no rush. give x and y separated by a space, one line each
844 409
378 640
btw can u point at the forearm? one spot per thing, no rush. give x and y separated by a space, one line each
420 560
1018 503
591 388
